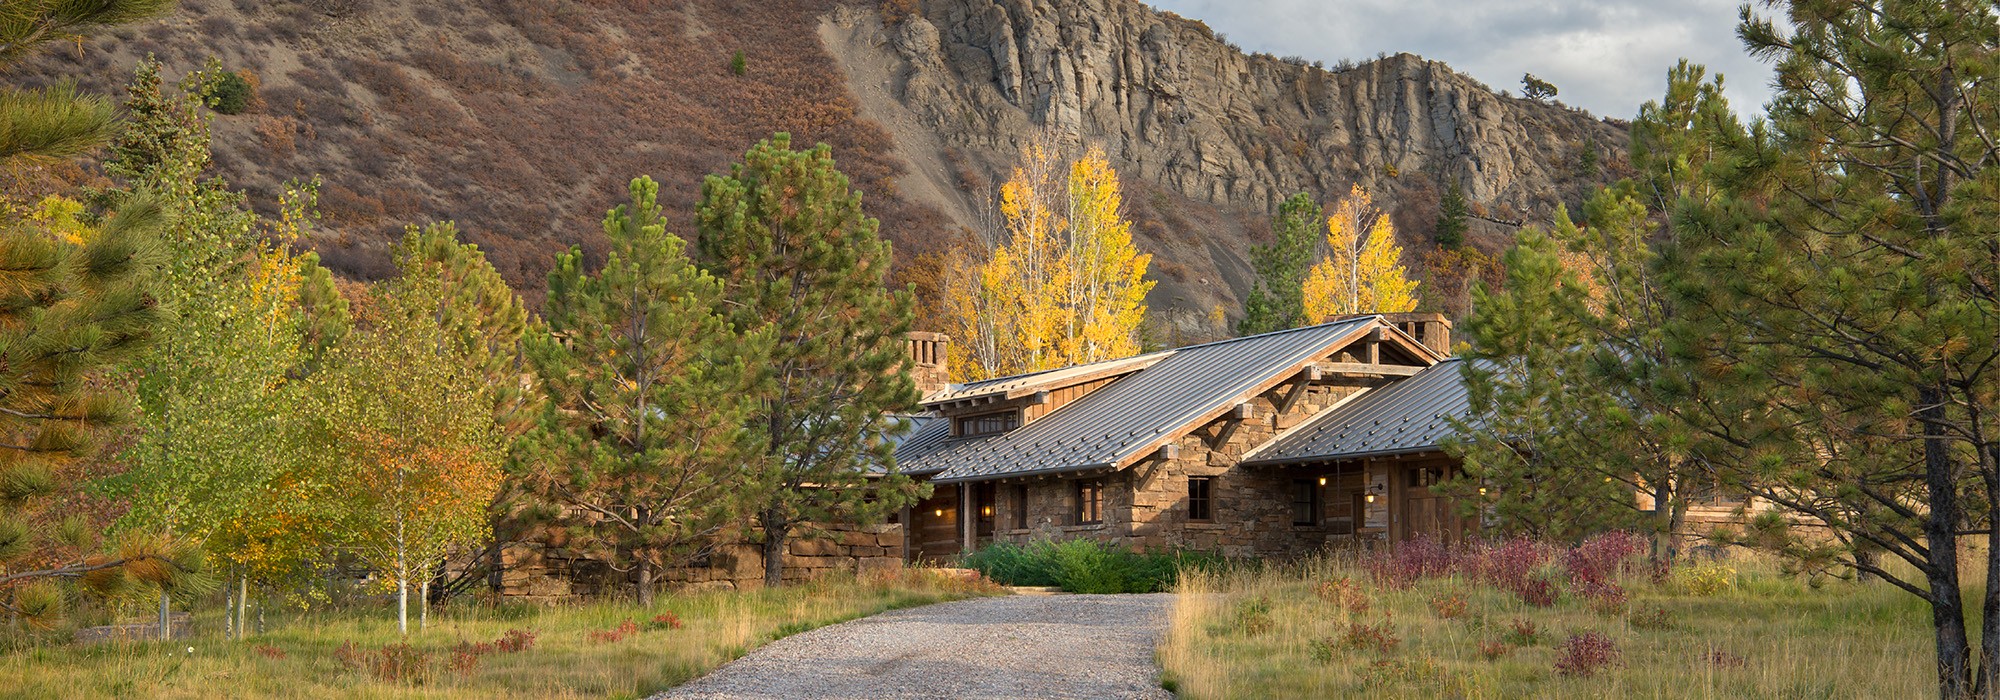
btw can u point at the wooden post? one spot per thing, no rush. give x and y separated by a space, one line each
968 521
909 530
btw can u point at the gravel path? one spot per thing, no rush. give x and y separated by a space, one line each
1060 646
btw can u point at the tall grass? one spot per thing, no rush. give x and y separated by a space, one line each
301 657
1288 632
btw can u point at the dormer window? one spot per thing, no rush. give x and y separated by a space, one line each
988 423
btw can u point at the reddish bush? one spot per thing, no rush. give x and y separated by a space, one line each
666 621
1598 560
1510 563
1522 633
617 634
1654 618
1382 637
516 640
1448 606
269 652
1409 562
1583 655
1539 592
1494 649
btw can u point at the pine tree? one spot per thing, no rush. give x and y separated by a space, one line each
74 306
1277 301
801 264
1452 218
642 451
1359 274
1840 300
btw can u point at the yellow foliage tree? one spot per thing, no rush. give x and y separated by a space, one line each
1067 286
1359 275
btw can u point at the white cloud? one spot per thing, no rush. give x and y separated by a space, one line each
1607 56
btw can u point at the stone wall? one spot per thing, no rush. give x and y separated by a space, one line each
538 571
1145 506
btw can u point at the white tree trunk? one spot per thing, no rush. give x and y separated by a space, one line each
242 606
424 605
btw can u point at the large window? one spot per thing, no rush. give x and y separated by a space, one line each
1089 502
1305 502
988 423
1201 498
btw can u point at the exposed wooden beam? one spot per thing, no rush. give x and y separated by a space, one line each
1305 379
1375 345
1369 369
1236 416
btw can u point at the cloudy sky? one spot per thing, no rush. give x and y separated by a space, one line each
1607 56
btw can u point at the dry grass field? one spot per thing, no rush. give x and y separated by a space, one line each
1732 629
469 652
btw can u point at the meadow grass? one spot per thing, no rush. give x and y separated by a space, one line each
1271 632
571 656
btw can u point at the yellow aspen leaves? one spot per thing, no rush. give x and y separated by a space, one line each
1360 274
1066 286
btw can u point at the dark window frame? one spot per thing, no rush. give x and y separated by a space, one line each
1201 499
1305 496
1089 502
982 424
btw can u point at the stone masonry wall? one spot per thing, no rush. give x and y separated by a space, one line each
535 571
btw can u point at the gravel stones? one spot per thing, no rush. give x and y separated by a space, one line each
1061 646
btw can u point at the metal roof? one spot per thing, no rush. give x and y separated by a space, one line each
1127 419
1404 417
1023 384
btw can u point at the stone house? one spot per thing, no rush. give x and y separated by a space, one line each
1271 445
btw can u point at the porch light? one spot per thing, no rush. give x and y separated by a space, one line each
1482 490
1322 481
986 511
939 512
1369 498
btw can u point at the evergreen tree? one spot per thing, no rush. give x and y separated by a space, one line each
801 263
1840 302
1452 218
1277 301
641 451
74 305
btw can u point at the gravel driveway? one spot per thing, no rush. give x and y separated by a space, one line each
1060 646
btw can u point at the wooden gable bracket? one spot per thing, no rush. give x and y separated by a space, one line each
1374 343
1305 379
1167 453
1232 419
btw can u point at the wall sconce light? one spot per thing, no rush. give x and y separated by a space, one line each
1322 481
1369 498
1482 490
939 512
986 511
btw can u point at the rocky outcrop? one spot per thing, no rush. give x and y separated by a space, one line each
1181 108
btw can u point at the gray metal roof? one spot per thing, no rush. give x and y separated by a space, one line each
1022 384
1404 417
1132 416
931 432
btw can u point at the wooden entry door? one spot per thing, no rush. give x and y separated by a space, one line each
1425 513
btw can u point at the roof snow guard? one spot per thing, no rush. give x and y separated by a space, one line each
1130 418
1406 417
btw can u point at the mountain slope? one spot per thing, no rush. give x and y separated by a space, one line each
523 119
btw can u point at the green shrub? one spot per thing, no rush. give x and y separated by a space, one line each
1085 566
737 64
229 93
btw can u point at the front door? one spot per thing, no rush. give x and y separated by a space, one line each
1425 513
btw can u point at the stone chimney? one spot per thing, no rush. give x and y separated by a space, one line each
927 361
1433 330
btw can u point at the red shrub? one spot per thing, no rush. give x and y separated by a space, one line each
1448 605
666 621
269 652
516 640
1510 563
1410 562
1539 592
1522 633
617 634
1494 649
1598 560
1583 655
1381 638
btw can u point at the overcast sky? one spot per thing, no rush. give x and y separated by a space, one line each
1607 56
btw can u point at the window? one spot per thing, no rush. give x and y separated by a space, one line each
1305 502
1201 504
1020 506
1089 502
988 423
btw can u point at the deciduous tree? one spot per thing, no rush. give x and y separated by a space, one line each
1363 268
